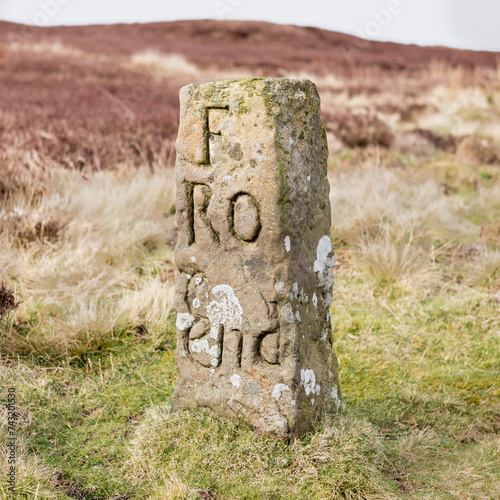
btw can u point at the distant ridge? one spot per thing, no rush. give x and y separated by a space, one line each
259 45
104 96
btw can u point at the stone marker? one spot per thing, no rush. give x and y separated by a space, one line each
254 255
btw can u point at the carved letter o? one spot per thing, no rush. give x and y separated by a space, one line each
246 217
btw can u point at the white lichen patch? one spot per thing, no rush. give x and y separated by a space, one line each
288 243
225 310
202 345
235 380
335 397
287 313
295 288
324 334
308 381
184 320
278 389
196 303
292 402
227 180
325 262
328 300
280 287
297 315
315 301
193 259
300 96
198 280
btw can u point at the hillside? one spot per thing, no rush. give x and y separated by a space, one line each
88 120
96 96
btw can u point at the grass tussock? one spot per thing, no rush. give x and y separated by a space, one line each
486 205
34 478
366 200
392 258
29 176
86 259
395 230
91 348
486 270
344 458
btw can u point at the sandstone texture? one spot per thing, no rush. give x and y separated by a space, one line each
255 259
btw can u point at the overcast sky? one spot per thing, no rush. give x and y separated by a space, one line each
456 23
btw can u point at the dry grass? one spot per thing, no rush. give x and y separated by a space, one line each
88 248
396 230
56 47
475 475
90 256
164 64
345 458
34 478
84 258
486 205
170 487
485 271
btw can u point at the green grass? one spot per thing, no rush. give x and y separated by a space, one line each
91 354
80 419
413 364
421 394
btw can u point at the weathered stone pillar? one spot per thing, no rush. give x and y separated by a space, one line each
254 254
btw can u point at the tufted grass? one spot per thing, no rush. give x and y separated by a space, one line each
85 257
343 458
91 349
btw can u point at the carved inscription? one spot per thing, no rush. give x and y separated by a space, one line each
202 226
214 122
216 337
246 217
